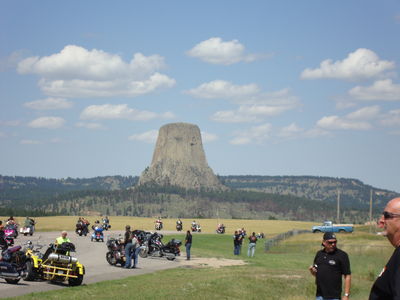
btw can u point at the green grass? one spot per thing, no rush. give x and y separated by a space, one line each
279 274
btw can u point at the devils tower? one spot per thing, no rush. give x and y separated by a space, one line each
179 160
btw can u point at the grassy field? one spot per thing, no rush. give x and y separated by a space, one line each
269 227
279 274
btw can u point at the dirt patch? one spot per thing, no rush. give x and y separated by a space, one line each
199 262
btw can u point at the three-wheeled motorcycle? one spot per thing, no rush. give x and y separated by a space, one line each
56 264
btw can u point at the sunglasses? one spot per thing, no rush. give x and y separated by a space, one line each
389 215
331 243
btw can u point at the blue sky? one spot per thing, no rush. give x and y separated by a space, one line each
276 87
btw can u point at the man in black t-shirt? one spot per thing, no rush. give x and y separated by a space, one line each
387 285
329 265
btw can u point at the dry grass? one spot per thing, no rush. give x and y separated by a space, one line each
269 227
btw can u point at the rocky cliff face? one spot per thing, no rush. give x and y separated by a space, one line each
179 159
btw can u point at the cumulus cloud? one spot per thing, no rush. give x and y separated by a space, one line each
147 137
365 113
47 122
357 120
11 61
360 64
259 107
120 111
384 90
208 137
392 118
49 104
10 123
30 142
78 72
216 51
223 90
292 130
256 134
89 125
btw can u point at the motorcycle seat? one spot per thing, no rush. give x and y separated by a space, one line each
13 249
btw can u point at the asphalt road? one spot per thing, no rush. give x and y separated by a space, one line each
92 256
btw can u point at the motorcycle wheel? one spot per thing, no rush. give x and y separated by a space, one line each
11 281
75 281
170 258
111 259
30 273
143 253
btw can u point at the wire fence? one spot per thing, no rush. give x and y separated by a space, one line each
281 237
353 248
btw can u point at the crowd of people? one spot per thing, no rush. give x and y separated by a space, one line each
330 263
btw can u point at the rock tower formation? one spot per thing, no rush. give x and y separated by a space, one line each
179 160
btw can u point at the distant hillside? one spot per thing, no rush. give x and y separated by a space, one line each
353 192
283 197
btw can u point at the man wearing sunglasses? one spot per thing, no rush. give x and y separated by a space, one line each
387 285
330 264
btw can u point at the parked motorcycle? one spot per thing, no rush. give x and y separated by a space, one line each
179 226
106 224
154 247
9 240
55 264
26 230
11 230
12 264
116 253
220 229
196 228
158 225
97 234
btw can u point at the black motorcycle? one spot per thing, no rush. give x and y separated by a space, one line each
178 226
116 253
12 264
81 229
220 229
154 247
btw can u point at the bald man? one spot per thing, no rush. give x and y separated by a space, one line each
387 285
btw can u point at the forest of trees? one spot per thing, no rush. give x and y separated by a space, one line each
255 197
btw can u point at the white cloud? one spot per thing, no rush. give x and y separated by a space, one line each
365 113
147 137
49 104
223 90
384 90
208 137
47 122
89 125
11 123
290 131
11 61
230 116
392 118
120 111
30 142
258 107
337 123
357 120
78 72
216 51
360 64
256 134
